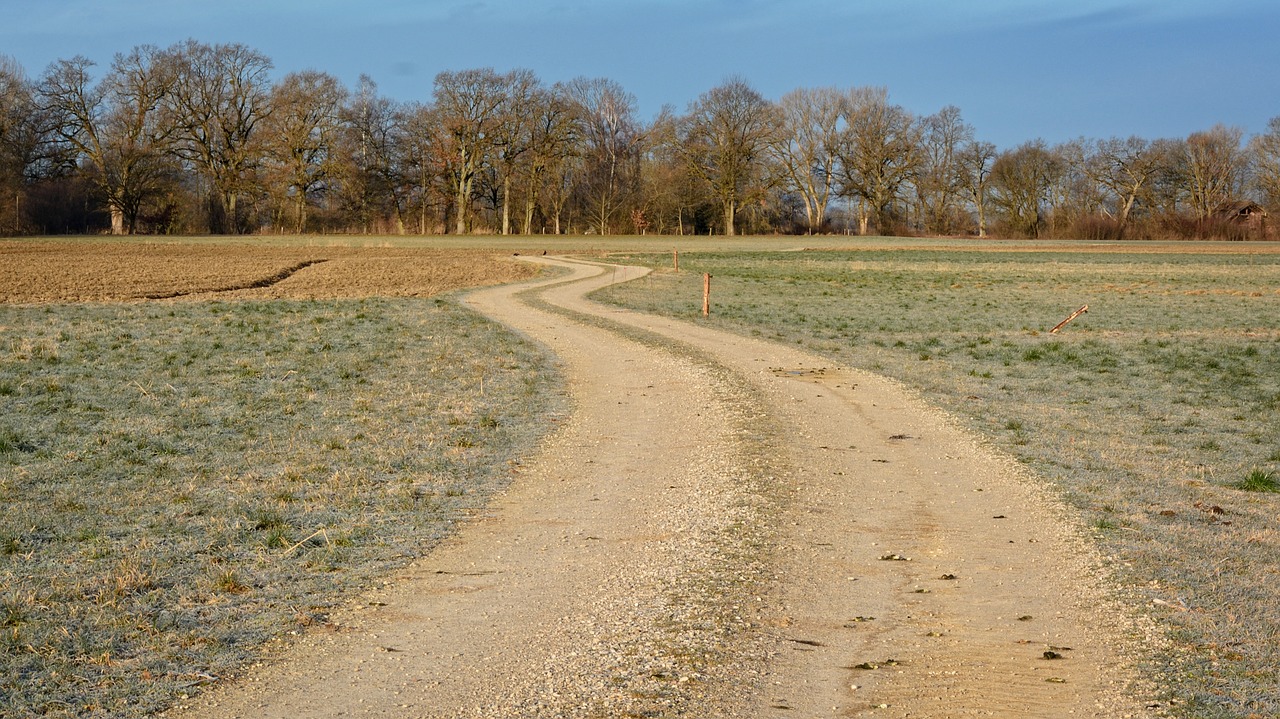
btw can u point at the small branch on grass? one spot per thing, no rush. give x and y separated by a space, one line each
306 539
1074 315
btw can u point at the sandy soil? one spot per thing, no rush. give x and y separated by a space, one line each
724 528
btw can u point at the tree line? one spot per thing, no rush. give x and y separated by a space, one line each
198 138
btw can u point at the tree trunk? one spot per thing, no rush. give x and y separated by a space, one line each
302 212
422 207
117 221
460 226
530 202
464 195
506 203
233 227
729 213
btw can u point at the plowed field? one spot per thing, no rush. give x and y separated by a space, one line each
35 272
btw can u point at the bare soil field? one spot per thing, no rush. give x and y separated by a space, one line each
32 272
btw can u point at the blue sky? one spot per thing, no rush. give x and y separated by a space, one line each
1017 69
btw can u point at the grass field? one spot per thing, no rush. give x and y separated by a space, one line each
185 480
1157 413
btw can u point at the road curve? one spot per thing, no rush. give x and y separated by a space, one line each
724 527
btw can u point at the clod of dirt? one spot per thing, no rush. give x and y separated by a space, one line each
876 665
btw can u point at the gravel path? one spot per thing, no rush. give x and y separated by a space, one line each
724 528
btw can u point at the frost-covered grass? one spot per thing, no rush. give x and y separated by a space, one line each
182 481
1150 413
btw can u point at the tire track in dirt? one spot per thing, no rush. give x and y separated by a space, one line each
601 583
922 573
724 527
260 283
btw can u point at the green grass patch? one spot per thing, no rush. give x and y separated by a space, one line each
183 482
1259 481
1140 412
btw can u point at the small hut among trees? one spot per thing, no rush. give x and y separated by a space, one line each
1240 220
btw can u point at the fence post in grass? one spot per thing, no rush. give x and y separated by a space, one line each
675 259
1063 323
706 294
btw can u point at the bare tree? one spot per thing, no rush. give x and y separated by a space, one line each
423 149
938 181
300 137
68 94
1124 169
368 171
140 160
803 148
19 139
672 191
973 173
1215 168
1264 151
116 126
512 135
554 140
221 96
879 152
724 137
1021 179
1073 195
468 103
611 141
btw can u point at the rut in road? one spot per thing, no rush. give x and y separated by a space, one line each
725 527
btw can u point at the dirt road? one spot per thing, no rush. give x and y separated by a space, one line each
724 528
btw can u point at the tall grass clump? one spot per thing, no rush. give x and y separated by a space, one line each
1143 412
1259 481
184 481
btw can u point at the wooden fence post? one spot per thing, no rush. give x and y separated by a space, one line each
675 259
1074 315
706 294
